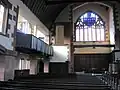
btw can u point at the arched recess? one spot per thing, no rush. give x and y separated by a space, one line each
104 10
95 7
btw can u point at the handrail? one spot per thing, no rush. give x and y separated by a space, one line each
44 47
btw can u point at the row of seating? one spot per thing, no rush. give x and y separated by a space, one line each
93 70
78 82
111 79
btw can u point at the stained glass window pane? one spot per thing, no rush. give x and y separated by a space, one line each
91 27
98 34
77 35
92 15
85 34
101 22
102 35
90 34
77 23
93 35
81 35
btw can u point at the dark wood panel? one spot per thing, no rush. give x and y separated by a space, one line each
89 61
58 67
41 66
96 45
117 38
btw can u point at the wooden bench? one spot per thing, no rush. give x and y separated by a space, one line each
36 82
26 85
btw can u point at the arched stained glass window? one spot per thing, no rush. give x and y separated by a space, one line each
90 27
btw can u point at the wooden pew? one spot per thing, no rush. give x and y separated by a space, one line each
27 85
54 82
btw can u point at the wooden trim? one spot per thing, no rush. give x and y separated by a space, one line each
83 46
92 54
115 51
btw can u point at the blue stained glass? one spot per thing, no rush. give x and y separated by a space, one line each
89 20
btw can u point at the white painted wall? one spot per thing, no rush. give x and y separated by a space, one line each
60 54
33 66
46 66
27 14
11 64
2 74
6 42
7 66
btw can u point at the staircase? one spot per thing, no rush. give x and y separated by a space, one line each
55 82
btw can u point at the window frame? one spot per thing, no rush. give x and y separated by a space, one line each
79 20
5 19
24 24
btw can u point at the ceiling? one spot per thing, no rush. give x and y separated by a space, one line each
48 10
46 13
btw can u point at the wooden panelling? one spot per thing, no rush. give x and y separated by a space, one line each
89 61
67 31
58 67
117 39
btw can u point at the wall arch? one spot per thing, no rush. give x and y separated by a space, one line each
90 7
107 4
103 10
89 11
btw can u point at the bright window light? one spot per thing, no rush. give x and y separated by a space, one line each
90 27
1 17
